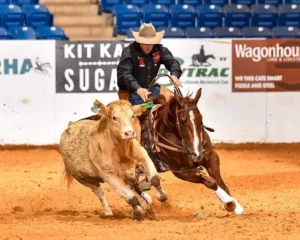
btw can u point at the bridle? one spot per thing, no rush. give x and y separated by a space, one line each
172 146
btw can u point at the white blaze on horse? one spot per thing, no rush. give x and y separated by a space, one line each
106 150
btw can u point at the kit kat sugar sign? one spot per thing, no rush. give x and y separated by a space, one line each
266 65
86 67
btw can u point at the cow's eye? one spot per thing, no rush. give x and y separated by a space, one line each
115 118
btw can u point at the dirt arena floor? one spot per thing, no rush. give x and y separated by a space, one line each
36 204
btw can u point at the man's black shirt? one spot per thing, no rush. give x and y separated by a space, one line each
136 69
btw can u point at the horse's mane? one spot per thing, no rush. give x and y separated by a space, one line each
166 114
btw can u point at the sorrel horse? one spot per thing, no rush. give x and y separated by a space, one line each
177 136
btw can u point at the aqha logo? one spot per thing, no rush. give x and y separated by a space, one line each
259 53
13 66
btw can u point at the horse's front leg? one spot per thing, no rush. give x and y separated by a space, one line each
212 166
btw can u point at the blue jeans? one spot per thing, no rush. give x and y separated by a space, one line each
135 99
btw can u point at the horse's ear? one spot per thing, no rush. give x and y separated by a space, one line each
198 95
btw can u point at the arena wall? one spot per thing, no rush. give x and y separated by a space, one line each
250 89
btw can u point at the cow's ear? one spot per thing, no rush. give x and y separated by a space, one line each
138 110
102 107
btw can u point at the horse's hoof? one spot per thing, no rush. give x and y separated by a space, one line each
137 213
230 206
162 196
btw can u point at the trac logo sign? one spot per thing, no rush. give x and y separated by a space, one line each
202 67
14 66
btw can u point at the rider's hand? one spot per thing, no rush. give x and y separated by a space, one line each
176 81
143 93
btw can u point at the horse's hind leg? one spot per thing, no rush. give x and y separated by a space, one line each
100 194
222 192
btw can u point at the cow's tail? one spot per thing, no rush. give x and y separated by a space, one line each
68 178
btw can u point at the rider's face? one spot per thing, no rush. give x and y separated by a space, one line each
147 48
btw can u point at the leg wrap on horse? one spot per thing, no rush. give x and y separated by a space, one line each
223 196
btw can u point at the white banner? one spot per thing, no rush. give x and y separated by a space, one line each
27 88
33 112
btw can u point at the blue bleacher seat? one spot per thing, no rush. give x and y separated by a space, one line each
22 2
264 15
129 33
227 32
3 34
136 2
243 2
193 3
256 32
289 15
216 2
4 1
182 16
158 15
55 33
37 15
172 32
107 5
202 32
270 2
209 16
292 2
11 16
22 33
166 3
286 32
126 16
237 15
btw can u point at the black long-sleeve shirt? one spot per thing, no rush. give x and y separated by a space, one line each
136 69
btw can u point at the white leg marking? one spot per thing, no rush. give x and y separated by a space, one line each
99 192
196 139
222 195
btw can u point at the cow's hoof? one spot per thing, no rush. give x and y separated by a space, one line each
230 206
150 214
162 196
108 212
137 213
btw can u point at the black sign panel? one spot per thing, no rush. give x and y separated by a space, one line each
87 66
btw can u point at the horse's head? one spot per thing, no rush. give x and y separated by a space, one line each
189 125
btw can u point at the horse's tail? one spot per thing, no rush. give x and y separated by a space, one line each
68 178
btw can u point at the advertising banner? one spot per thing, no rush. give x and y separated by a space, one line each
203 62
27 88
266 65
87 67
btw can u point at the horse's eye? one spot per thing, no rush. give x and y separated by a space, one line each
115 118
132 116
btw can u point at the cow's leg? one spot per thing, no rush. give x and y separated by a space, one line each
99 192
153 176
124 191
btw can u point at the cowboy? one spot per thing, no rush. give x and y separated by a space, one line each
140 62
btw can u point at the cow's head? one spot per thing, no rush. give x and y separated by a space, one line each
119 117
